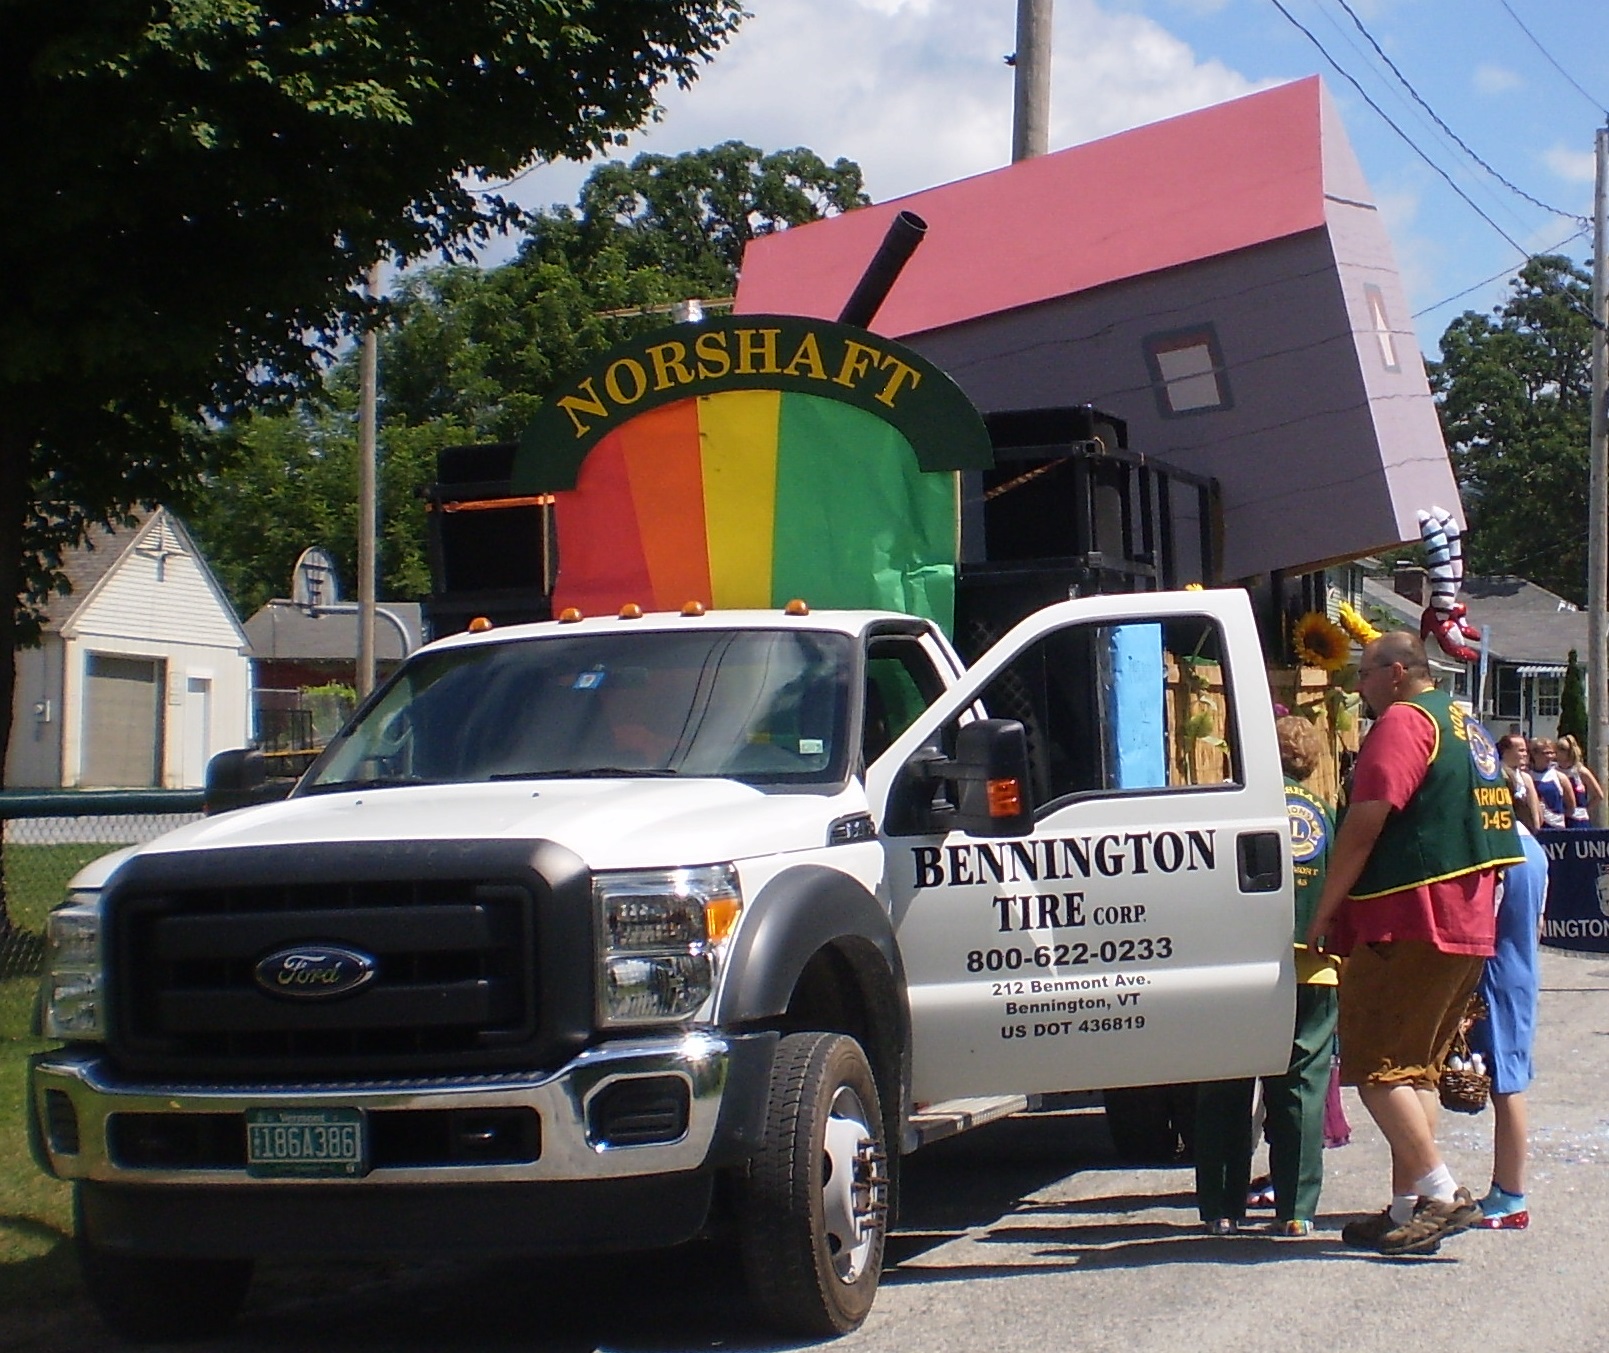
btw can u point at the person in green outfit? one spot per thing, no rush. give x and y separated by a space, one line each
1294 1102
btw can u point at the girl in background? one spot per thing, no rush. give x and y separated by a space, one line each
1553 790
1517 771
1588 792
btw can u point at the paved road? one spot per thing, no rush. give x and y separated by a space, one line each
1028 1235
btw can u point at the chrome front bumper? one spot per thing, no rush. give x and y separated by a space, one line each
705 1061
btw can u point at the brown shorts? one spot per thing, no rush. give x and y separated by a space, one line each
1401 1004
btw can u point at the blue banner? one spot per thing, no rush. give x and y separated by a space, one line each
1578 889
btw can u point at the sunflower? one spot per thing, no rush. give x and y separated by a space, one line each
1355 625
1320 642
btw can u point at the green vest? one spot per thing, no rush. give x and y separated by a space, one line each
1312 831
1460 820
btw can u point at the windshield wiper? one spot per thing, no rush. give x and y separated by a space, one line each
373 782
590 773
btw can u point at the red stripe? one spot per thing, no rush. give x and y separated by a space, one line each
602 565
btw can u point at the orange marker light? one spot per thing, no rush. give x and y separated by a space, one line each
569 615
631 611
692 608
720 917
1005 798
798 606
479 625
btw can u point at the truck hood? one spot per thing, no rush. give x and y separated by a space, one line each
611 824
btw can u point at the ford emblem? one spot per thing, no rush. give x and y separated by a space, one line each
315 971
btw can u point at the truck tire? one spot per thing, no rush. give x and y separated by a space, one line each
1152 1124
814 1210
152 1299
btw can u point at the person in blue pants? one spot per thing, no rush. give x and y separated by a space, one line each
1504 1038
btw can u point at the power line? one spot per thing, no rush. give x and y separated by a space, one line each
1537 43
1487 281
1458 140
1384 117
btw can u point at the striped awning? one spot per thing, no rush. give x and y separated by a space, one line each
1536 669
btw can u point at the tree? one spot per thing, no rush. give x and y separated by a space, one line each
469 354
1573 702
1514 393
198 186
292 482
485 347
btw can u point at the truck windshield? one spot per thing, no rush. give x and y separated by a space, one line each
765 707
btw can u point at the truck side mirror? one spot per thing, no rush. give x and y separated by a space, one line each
990 773
239 778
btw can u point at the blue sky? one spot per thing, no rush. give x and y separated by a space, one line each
917 92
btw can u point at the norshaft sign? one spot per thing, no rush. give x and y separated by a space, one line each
745 461
782 353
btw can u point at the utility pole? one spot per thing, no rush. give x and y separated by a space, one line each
1597 665
1030 129
368 382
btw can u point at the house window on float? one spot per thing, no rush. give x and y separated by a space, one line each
1188 372
1382 326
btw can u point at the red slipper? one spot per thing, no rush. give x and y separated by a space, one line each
1510 1221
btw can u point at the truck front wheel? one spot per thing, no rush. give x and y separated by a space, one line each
815 1204
149 1299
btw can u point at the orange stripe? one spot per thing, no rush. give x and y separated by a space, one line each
667 491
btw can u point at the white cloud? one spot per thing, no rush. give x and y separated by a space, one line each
1491 79
1200 6
917 92
1573 166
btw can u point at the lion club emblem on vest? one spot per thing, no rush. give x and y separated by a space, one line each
1308 835
1482 749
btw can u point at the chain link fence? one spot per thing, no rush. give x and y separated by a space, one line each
46 838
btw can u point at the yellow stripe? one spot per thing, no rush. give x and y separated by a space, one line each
1440 878
738 444
1435 727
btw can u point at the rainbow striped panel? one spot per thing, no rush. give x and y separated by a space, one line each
749 498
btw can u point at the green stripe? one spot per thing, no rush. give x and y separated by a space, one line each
858 523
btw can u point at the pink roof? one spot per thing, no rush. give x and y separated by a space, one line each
1193 187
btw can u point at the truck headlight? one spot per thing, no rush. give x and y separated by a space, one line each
661 935
74 992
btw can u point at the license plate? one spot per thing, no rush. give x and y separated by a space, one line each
306 1143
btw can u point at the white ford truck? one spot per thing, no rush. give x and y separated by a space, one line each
602 934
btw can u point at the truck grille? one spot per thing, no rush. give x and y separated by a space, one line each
457 969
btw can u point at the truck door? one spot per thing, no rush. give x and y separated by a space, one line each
1141 933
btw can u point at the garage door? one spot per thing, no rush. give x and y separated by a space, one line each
123 708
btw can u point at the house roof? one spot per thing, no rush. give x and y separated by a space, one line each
282 631
1207 183
1523 622
85 565
1526 622
90 564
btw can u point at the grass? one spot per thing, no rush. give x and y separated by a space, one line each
36 877
37 1272
36 1265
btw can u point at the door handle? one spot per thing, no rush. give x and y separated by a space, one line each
1260 860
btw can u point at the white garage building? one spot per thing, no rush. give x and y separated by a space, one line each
142 672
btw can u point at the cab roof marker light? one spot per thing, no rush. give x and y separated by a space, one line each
631 611
479 625
798 606
569 615
693 608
